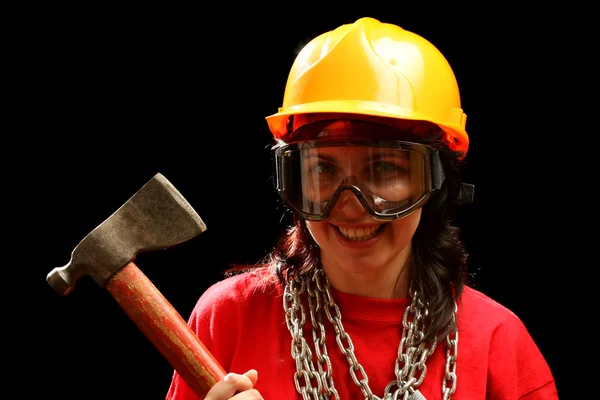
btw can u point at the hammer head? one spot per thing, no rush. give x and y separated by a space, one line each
154 218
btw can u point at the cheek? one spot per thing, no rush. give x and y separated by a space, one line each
318 231
403 229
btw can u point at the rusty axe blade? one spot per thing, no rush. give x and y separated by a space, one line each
154 218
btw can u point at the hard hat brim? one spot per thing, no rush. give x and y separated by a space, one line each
456 136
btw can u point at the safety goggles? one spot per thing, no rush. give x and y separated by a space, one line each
390 178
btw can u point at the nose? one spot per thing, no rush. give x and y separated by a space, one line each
348 205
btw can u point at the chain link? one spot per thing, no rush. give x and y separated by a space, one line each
316 383
449 381
295 319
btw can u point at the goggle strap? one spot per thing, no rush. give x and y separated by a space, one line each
467 190
466 194
437 171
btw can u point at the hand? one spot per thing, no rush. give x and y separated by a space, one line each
235 387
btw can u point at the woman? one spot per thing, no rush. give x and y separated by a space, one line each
365 296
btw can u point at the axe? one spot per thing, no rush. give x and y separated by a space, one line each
154 218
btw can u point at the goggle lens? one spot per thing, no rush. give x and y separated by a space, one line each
390 178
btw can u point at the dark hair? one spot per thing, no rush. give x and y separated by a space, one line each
438 268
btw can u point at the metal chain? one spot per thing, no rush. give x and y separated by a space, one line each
449 381
295 319
317 383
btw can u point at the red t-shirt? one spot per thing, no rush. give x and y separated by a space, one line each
242 322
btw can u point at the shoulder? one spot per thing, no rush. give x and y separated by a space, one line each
476 305
489 320
229 308
239 290
489 329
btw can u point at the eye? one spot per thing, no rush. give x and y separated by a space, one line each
387 167
324 168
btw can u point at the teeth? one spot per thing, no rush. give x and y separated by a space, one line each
359 234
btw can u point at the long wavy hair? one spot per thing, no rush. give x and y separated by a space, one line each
438 261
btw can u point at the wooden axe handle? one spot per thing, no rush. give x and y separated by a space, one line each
165 328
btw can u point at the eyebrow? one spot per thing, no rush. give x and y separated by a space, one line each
321 157
373 157
387 153
376 157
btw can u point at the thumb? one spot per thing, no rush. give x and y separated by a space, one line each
252 375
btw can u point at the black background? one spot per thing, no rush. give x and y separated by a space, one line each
112 96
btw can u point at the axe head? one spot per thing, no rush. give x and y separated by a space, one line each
156 217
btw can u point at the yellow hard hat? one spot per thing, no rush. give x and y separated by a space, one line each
373 69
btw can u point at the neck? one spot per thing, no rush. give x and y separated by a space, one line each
389 281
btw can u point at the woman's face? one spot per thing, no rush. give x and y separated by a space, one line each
350 239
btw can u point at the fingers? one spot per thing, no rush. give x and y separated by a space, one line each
235 386
252 375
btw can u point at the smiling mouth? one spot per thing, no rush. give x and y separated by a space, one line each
359 234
